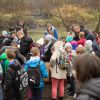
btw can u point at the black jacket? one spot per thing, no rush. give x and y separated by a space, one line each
25 45
95 45
20 57
76 37
90 90
12 82
48 54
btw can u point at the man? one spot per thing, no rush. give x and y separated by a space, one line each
25 43
52 31
77 29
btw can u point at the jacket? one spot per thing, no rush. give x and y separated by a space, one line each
89 90
20 57
33 62
81 41
4 62
95 45
12 82
56 72
47 55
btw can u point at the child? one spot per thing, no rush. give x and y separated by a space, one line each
35 62
82 39
88 46
69 59
80 50
11 79
58 75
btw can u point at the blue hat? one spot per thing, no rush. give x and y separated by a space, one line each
69 38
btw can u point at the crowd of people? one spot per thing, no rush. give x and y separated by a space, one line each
73 62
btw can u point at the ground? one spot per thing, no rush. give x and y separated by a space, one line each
47 93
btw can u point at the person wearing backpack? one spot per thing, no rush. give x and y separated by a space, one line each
11 82
70 54
36 70
58 74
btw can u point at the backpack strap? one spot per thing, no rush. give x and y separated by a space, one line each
56 65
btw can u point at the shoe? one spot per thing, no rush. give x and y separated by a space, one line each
60 98
71 93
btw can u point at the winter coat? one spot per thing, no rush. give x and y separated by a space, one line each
81 41
56 72
4 62
1 39
46 55
25 45
11 82
89 90
54 31
7 41
20 57
95 45
76 37
33 62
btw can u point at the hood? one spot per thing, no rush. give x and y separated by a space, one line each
91 88
90 37
34 61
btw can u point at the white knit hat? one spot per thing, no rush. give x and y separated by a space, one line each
88 43
50 38
4 33
68 45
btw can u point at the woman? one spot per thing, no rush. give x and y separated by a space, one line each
57 75
87 68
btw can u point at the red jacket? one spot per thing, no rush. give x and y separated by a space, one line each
81 41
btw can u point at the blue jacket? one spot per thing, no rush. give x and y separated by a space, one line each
54 31
33 62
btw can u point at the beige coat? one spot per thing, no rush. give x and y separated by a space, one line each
56 72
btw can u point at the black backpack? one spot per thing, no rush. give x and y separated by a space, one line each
34 76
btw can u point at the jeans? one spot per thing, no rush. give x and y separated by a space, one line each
37 93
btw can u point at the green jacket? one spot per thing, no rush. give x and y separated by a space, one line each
4 61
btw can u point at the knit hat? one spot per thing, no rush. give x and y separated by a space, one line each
50 37
74 45
69 38
88 45
90 37
68 45
4 33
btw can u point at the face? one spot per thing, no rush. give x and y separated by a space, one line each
68 49
19 34
49 28
77 29
21 22
46 42
14 35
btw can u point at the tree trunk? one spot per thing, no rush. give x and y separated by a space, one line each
62 19
98 25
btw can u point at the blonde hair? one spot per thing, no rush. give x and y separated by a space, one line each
10 53
81 34
35 51
80 50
